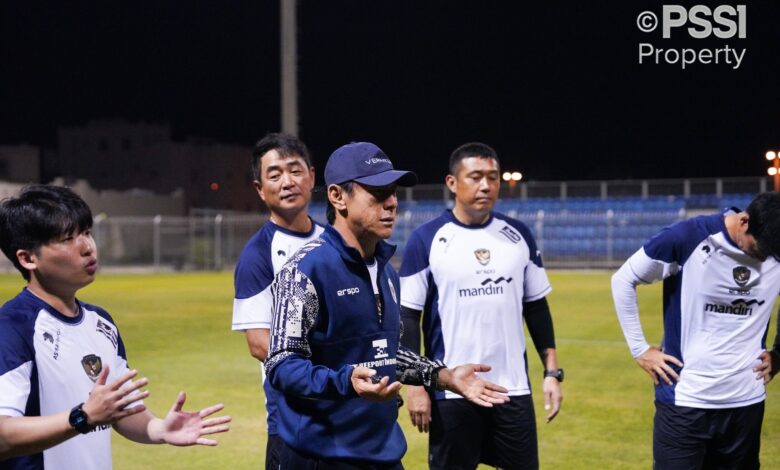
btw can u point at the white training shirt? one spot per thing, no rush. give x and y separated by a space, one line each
471 282
48 364
263 256
717 306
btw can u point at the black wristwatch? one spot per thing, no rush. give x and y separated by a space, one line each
557 373
78 420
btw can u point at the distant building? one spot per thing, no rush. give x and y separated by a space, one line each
120 155
20 163
111 203
113 154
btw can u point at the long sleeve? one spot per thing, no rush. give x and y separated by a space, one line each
410 322
289 366
638 269
540 324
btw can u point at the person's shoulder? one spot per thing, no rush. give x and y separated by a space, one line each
19 309
698 227
260 240
501 223
17 319
99 311
313 253
515 223
677 241
257 250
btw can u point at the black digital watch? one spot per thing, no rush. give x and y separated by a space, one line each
78 420
557 374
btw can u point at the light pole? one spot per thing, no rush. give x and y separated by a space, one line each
774 170
512 178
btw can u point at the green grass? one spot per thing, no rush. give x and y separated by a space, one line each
176 328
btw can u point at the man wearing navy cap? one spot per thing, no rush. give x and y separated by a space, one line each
335 336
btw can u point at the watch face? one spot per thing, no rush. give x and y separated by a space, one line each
78 420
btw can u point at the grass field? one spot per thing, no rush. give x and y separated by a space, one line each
176 328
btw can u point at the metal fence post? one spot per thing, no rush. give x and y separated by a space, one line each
539 224
218 242
96 227
156 241
192 227
610 217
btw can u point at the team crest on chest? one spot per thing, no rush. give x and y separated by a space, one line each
483 255
92 365
741 275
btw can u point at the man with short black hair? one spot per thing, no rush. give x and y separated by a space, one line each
477 274
335 336
284 179
64 378
721 278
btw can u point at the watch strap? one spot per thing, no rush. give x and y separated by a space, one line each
556 374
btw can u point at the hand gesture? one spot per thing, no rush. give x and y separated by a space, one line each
419 404
368 387
183 428
770 364
553 396
107 404
464 381
655 363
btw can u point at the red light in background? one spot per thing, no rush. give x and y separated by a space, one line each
214 186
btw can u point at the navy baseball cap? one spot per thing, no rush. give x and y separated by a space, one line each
365 163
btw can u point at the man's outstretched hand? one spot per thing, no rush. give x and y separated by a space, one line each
185 428
464 381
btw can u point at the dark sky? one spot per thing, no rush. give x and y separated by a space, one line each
554 86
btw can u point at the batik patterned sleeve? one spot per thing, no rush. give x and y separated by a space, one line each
289 366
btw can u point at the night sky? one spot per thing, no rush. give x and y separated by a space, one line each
555 87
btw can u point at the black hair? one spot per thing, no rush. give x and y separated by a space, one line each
287 145
764 222
471 149
330 213
37 215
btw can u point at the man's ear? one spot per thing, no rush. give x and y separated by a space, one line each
744 218
259 188
27 259
452 183
313 177
336 196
